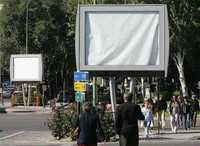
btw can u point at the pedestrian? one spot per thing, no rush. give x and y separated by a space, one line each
161 107
147 112
187 115
190 112
195 109
127 118
86 127
174 109
182 113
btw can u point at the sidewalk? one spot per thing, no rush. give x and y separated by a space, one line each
165 137
45 138
23 109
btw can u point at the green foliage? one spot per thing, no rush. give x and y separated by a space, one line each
177 93
62 122
51 32
107 123
167 95
108 126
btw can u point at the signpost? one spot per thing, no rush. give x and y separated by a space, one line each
80 86
80 76
79 96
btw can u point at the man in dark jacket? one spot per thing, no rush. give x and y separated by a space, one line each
195 109
161 107
127 118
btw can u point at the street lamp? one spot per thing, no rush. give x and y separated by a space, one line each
27 4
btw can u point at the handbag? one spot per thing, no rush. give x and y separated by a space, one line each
76 132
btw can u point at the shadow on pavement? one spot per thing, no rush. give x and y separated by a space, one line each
155 138
25 111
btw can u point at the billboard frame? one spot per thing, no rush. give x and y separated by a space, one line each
39 56
81 37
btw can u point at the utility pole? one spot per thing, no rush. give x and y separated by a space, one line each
27 4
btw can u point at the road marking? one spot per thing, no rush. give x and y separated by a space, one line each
11 135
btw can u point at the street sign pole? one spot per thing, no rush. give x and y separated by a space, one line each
78 108
80 83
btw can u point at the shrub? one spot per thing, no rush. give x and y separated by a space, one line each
62 122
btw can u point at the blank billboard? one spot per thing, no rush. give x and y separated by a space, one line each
122 37
118 39
26 67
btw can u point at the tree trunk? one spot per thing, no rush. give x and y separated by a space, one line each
182 80
179 59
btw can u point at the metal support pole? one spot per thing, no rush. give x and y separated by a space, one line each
112 96
132 89
94 91
29 94
24 97
142 87
1 89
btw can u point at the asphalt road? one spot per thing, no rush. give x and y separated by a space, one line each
24 121
15 127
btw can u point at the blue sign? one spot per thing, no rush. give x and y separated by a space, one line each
80 76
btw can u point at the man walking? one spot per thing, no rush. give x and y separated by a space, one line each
127 118
161 107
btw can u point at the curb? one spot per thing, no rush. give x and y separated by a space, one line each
22 109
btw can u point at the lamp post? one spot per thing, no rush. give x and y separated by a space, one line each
27 4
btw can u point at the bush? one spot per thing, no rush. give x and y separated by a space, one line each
62 122
108 126
107 123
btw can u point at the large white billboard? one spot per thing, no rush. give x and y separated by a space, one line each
26 67
118 39
122 38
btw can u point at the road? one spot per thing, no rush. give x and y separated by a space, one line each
25 121
14 127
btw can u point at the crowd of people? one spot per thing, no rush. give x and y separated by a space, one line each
182 111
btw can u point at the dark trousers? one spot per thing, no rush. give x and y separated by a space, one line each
183 121
130 141
194 119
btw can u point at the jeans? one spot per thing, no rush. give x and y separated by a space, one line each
146 129
161 119
174 122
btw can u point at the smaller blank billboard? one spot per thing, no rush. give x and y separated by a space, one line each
26 67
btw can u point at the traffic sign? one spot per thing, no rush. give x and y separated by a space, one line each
79 96
80 86
81 76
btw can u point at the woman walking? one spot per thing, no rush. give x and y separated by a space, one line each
174 109
147 112
86 127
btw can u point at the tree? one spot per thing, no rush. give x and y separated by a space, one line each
184 24
50 33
